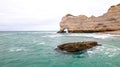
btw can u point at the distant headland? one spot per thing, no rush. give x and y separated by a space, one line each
109 21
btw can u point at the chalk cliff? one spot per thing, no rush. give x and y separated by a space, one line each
109 21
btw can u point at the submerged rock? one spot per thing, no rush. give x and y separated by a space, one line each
77 46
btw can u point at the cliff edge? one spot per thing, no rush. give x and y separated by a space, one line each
109 21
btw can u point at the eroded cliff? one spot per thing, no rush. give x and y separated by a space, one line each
109 21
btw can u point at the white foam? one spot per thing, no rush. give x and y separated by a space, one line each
93 35
17 49
95 50
99 36
110 51
113 51
115 35
53 36
42 43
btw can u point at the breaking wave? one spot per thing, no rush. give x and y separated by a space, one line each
94 35
110 51
17 49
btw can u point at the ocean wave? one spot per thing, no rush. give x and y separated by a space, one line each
17 49
93 35
115 35
110 51
42 43
53 36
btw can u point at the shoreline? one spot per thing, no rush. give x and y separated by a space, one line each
112 32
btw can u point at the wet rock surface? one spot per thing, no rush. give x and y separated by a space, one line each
77 46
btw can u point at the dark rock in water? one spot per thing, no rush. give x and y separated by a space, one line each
77 46
61 32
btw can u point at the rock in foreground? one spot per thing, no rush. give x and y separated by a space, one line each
77 46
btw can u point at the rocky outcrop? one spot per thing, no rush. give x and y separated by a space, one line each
77 46
109 21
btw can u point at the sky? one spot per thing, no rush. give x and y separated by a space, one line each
43 15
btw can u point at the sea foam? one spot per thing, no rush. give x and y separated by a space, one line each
109 51
93 35
17 49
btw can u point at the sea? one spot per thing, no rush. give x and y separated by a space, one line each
37 49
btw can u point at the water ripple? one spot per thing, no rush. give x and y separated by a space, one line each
17 49
109 51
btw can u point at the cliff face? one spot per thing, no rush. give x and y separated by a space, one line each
110 21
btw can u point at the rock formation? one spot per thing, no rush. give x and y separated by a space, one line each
109 21
77 46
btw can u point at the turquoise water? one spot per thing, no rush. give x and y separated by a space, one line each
36 49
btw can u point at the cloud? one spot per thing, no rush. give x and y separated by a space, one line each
28 13
2 14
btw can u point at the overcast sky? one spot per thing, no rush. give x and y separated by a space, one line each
46 14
